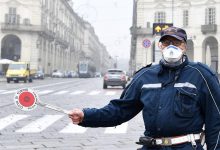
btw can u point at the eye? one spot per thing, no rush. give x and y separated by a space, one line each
177 43
166 42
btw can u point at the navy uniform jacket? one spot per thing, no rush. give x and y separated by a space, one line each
174 102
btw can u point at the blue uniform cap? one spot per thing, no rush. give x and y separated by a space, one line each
175 32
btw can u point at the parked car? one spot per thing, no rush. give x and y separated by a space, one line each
114 77
66 74
98 74
57 74
1 73
74 74
70 74
39 75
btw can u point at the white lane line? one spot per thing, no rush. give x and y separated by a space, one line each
44 92
9 92
118 129
60 92
4 122
94 93
40 124
77 92
53 84
72 128
110 93
1 91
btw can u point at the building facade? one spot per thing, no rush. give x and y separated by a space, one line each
94 51
46 33
200 19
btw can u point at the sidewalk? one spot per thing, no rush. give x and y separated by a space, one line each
2 79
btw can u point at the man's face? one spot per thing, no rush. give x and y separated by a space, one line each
169 40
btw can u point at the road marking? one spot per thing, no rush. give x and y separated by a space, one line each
72 128
53 84
77 92
110 93
40 124
9 92
45 92
118 129
1 91
94 93
60 92
4 122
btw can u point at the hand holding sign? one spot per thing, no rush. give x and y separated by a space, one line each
27 100
76 115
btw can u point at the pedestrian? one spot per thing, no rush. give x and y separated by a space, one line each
177 99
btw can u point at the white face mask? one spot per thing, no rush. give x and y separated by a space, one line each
172 54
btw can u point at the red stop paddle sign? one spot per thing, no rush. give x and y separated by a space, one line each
26 99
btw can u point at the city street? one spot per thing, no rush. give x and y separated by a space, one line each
47 129
62 55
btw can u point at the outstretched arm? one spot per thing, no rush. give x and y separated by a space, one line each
115 113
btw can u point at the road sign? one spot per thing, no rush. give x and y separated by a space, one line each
26 99
158 27
146 43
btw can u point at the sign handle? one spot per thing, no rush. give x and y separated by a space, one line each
52 107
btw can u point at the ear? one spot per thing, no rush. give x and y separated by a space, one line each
185 47
160 45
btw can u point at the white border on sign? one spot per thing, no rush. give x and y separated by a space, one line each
18 104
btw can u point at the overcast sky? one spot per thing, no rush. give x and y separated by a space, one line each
111 20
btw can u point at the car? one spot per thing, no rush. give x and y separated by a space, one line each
114 77
66 74
39 75
98 74
57 74
70 74
74 74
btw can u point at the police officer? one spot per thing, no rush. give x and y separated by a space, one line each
177 98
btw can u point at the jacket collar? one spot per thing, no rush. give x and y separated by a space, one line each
164 67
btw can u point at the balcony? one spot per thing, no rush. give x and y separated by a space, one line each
209 28
20 27
60 41
141 31
50 35
5 27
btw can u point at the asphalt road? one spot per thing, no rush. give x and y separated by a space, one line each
47 129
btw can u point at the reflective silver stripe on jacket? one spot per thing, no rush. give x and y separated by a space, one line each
159 85
186 84
152 86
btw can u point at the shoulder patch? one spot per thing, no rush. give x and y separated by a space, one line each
143 68
204 66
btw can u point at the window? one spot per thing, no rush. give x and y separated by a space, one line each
46 4
210 16
12 11
12 17
148 24
26 21
160 17
185 18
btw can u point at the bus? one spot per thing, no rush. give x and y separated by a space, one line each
86 69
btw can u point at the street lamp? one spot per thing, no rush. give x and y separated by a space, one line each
172 11
116 62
